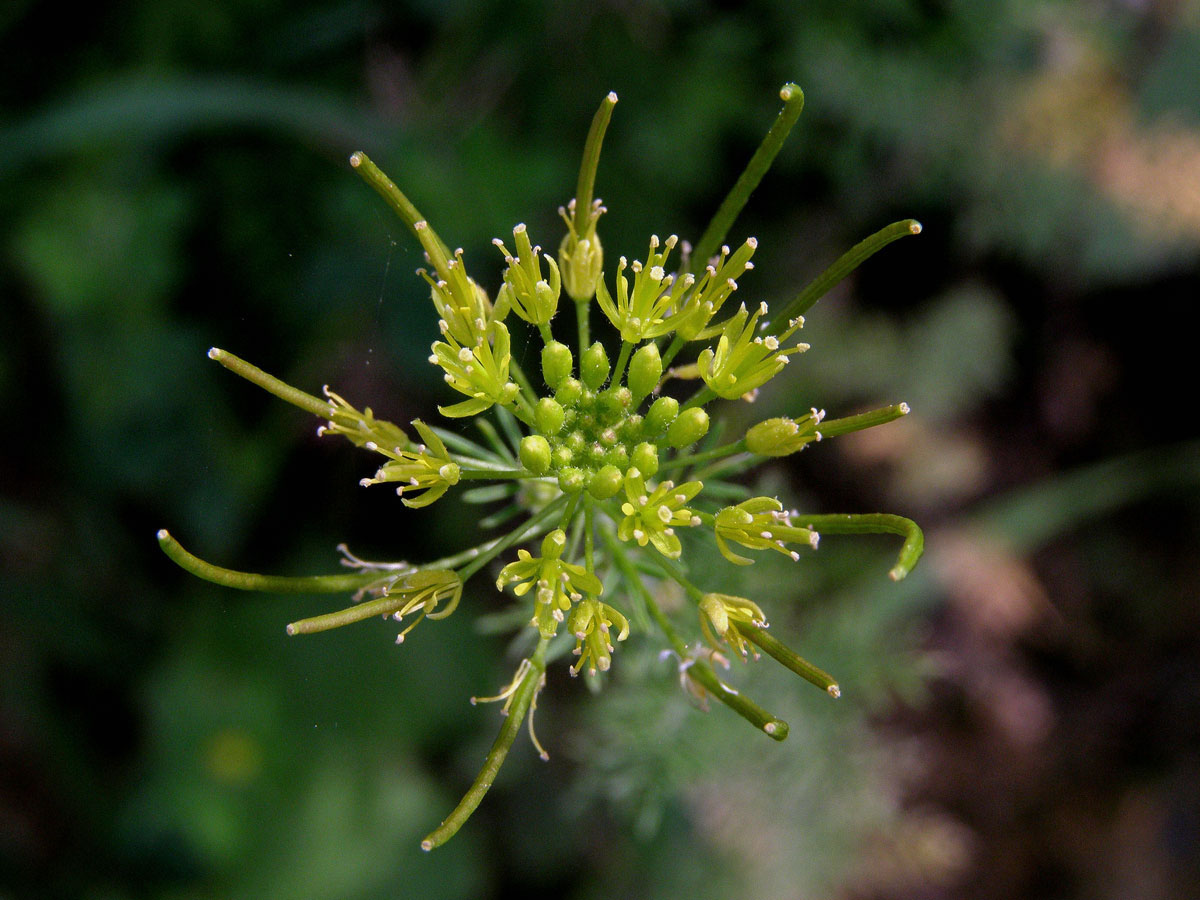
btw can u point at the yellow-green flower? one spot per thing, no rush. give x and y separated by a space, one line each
480 371
743 360
427 471
591 622
719 614
760 524
559 584
641 313
652 515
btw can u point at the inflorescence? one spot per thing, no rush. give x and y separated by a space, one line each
605 467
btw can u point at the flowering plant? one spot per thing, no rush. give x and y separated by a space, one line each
611 474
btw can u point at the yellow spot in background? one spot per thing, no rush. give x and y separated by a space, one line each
232 757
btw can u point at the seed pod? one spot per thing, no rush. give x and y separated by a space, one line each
661 414
549 416
594 366
691 425
645 369
606 482
645 457
557 363
535 454
571 480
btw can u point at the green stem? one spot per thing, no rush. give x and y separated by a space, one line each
465 446
485 553
484 474
275 584
874 523
784 655
395 198
696 459
521 700
622 360
589 535
846 263
760 162
271 384
677 344
586 185
702 396
384 606
583 309
697 669
835 427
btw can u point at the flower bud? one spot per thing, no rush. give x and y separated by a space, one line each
645 458
569 391
535 454
781 436
557 363
580 256
594 366
606 482
571 480
549 416
661 414
645 369
691 425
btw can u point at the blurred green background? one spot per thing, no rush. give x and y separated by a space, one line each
1021 717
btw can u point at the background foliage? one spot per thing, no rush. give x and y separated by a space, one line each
1019 717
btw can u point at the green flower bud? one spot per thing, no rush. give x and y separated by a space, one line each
645 457
594 366
572 480
645 369
549 416
557 363
569 391
618 456
782 436
691 425
580 256
562 456
661 414
535 454
606 482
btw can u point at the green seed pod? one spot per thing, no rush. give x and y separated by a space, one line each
645 457
594 366
557 363
569 391
645 369
606 482
535 454
549 416
691 425
661 414
572 480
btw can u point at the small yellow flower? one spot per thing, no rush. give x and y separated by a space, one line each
653 517
743 361
591 622
426 468
642 313
559 584
718 615
759 524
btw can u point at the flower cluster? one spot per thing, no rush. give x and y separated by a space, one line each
605 454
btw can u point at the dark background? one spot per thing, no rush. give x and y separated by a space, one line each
1020 717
